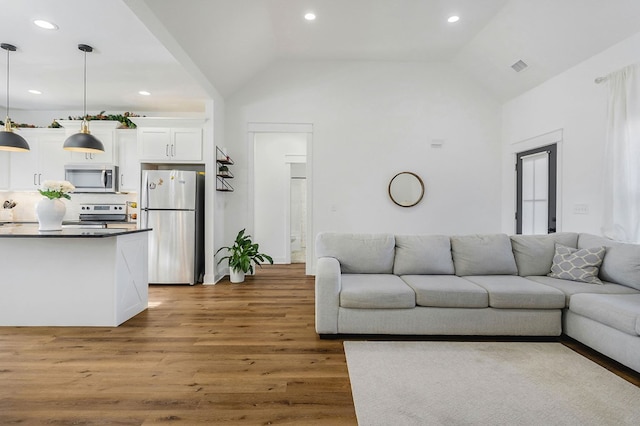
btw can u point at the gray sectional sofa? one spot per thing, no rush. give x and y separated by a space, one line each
582 285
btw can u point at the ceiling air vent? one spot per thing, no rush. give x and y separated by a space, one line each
519 66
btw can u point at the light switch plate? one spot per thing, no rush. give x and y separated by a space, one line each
580 209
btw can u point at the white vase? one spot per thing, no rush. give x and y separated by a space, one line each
236 275
50 214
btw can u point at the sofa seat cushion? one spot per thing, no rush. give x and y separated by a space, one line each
534 253
483 255
569 288
375 291
446 291
512 292
423 254
620 311
358 253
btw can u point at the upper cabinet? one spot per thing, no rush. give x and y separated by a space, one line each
45 160
104 130
128 160
169 139
5 158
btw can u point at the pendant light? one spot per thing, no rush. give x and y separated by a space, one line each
84 141
10 141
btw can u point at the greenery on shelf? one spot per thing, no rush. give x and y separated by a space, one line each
243 253
19 125
122 118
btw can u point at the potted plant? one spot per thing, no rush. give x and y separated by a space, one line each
242 255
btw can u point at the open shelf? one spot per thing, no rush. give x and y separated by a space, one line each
223 173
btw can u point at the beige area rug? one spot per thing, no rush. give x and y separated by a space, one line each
485 383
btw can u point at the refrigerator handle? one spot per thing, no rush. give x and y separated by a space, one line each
146 191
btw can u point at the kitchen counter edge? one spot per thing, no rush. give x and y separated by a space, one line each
31 231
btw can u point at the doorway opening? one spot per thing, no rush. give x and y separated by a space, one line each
280 191
536 191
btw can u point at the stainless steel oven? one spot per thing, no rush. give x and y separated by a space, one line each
92 177
103 213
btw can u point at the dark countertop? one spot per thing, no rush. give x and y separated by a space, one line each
74 222
31 231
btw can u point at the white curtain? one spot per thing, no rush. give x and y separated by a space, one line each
622 156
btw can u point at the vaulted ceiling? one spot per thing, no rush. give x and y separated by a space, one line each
185 51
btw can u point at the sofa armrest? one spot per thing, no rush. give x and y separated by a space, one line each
328 284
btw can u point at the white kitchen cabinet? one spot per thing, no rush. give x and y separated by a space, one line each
4 169
186 144
45 160
128 160
162 139
168 144
104 130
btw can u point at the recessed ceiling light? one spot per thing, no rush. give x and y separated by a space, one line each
144 93
453 19
35 92
45 24
310 16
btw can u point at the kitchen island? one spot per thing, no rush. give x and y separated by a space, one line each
73 277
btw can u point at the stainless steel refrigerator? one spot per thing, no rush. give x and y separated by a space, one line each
172 204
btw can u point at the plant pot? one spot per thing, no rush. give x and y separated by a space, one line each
50 214
236 275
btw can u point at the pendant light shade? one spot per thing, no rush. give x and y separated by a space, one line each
84 141
10 141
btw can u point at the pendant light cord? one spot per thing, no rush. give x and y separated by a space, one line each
84 117
8 83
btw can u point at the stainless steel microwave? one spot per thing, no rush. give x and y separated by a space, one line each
92 177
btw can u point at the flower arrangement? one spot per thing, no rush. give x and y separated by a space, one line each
53 189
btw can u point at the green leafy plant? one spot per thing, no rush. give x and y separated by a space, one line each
122 118
243 253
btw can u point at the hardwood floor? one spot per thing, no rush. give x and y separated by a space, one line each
229 353
224 354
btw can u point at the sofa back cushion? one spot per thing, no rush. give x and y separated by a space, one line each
423 255
358 253
621 264
534 253
483 255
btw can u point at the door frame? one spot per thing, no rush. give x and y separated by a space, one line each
512 150
306 128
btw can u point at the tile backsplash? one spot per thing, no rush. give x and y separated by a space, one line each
25 209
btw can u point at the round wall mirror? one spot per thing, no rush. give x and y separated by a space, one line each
406 189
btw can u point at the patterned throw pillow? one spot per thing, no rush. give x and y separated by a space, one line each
581 265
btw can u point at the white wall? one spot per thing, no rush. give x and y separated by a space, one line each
372 120
573 103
